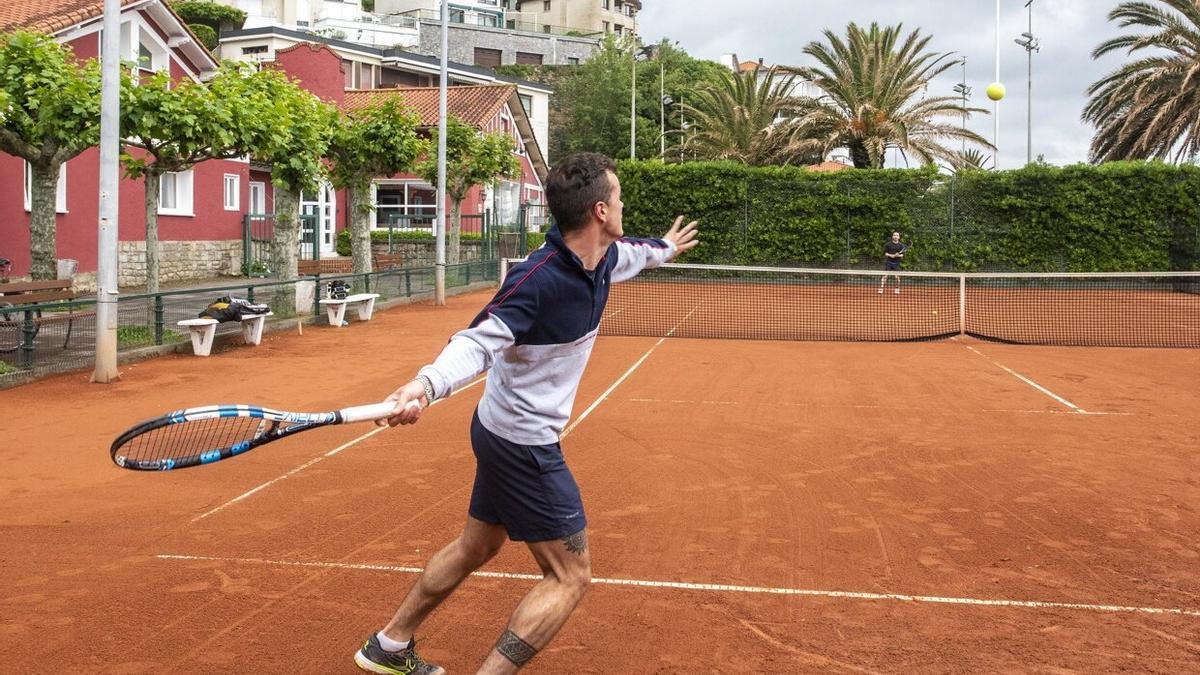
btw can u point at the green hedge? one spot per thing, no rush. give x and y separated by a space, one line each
209 13
1124 216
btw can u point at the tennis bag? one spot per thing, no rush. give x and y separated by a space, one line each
338 290
226 308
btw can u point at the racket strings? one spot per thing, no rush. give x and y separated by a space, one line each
193 437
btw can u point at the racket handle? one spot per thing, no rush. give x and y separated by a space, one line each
372 412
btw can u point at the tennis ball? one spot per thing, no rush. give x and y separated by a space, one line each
996 91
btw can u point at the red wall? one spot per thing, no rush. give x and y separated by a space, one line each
317 68
77 229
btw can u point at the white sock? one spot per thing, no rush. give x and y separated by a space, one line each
390 645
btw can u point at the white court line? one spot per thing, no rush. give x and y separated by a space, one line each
629 372
1035 385
314 460
720 588
880 407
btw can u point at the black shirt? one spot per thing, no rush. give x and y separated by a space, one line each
894 247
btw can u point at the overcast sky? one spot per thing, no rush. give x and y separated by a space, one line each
778 30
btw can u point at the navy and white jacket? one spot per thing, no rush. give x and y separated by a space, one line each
536 335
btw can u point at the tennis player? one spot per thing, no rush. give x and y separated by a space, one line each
894 252
533 339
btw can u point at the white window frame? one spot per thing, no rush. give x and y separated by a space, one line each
60 196
184 183
407 208
257 206
232 198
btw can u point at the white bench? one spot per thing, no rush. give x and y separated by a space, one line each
203 330
336 309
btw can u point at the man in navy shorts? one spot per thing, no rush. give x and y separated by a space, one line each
893 251
533 339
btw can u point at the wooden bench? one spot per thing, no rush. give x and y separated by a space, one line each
16 299
204 330
335 309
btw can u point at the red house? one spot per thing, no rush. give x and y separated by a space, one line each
406 200
200 211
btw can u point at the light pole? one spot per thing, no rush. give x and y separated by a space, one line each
1031 45
996 102
662 107
965 92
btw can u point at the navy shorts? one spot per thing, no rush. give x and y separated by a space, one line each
526 488
892 265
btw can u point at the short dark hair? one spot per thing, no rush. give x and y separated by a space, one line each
575 185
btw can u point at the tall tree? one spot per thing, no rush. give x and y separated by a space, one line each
590 107
1150 107
376 141
304 126
472 159
177 125
748 117
49 113
873 85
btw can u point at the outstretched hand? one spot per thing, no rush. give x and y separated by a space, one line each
684 237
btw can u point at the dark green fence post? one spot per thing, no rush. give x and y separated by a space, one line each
158 319
317 295
250 293
246 254
407 283
367 282
28 335
522 214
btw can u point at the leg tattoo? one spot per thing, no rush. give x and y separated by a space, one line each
515 649
576 543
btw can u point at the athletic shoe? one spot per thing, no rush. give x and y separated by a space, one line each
897 291
881 290
374 659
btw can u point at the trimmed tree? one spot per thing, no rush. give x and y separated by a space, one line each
49 113
180 124
375 141
472 159
302 128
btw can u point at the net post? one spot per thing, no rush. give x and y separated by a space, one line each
962 304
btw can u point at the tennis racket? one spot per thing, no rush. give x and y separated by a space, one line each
208 434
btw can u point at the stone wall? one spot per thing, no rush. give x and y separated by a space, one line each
464 38
180 261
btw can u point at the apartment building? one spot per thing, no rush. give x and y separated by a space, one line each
584 17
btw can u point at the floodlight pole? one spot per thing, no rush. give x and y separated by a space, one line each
996 104
439 277
1031 45
105 368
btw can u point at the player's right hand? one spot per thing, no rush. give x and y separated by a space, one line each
409 401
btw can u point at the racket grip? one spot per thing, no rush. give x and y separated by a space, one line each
372 412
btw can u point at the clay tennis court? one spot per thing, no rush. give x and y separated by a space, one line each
754 506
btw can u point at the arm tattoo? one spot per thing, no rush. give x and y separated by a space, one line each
576 543
515 649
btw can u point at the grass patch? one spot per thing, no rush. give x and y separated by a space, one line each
129 337
6 368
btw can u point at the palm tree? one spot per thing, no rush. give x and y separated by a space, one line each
1150 108
873 100
744 117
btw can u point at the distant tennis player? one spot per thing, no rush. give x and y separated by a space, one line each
894 253
533 339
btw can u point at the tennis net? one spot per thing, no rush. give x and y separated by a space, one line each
1153 309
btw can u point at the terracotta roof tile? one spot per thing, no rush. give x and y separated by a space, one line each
474 105
50 16
828 167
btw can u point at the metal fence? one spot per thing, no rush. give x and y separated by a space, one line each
258 232
60 336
